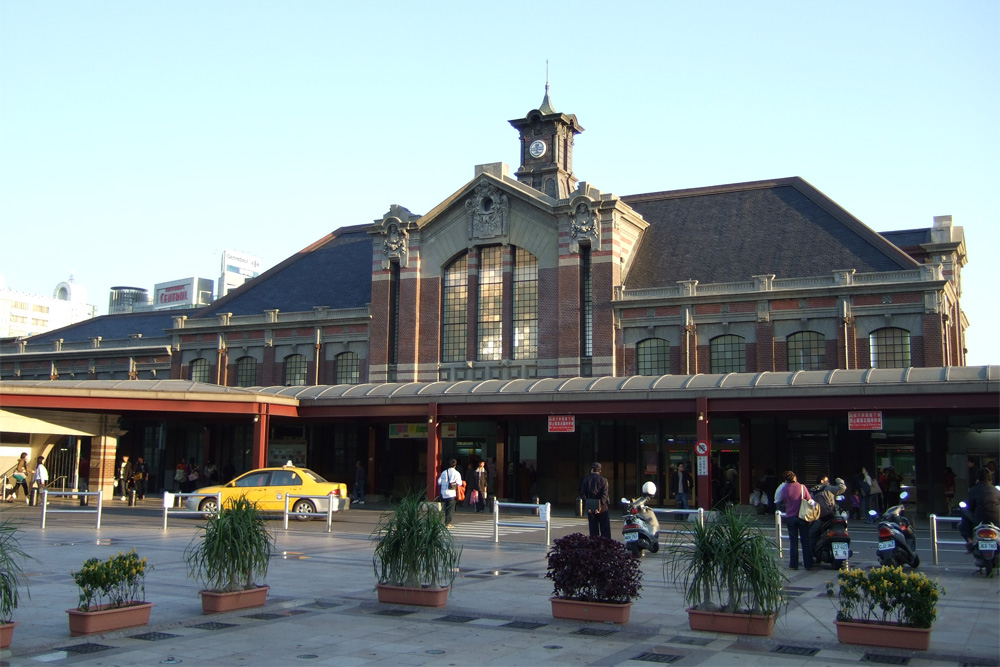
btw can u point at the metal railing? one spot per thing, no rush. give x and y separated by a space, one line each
173 504
544 516
97 510
934 533
331 507
698 512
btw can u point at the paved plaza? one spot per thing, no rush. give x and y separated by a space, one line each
322 607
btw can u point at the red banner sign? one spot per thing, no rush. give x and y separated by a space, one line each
865 420
562 423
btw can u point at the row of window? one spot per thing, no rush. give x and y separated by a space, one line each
347 367
890 348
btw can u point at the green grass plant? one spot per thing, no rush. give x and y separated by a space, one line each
232 548
414 547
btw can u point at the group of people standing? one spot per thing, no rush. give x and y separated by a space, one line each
793 494
131 477
39 477
476 484
189 476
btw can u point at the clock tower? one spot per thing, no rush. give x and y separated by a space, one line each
547 149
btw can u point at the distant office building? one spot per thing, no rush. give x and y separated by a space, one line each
183 293
23 314
237 268
127 300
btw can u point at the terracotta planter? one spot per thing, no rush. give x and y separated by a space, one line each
213 602
734 624
889 635
424 597
6 634
600 612
106 620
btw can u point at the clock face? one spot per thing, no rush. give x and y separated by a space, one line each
537 148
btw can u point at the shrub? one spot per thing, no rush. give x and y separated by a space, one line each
232 547
11 575
415 548
886 595
593 569
121 580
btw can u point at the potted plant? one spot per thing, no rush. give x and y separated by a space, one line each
593 578
232 548
885 607
112 594
416 557
11 577
730 576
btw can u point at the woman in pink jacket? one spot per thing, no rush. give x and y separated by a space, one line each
794 494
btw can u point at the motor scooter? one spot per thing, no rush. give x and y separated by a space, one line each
984 543
897 543
833 544
640 525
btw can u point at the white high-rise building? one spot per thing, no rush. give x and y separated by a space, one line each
23 314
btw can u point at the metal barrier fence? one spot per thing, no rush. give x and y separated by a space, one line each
331 507
934 533
699 517
173 504
544 516
97 510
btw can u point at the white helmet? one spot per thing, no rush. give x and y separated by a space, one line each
649 489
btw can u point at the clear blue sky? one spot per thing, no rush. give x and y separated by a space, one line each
140 139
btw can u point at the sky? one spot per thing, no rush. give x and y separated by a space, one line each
138 140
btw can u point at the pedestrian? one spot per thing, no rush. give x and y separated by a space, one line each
825 494
793 494
856 501
20 479
594 491
448 483
359 484
682 487
469 470
180 475
949 489
193 476
83 479
480 479
41 477
877 499
124 476
982 505
140 475
211 472
892 487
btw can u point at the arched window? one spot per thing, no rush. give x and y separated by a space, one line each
348 368
295 370
490 325
525 305
728 354
246 372
455 300
201 370
890 348
806 351
653 356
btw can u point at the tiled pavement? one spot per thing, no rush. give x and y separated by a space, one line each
322 609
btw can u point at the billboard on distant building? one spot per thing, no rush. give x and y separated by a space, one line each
183 293
237 268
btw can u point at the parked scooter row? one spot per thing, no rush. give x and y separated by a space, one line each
640 526
897 543
984 549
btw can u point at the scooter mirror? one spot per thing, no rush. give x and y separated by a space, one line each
904 495
625 501
962 505
872 513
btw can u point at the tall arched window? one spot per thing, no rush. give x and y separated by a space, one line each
653 356
295 370
201 371
728 354
455 300
890 348
246 372
348 368
490 325
806 351
525 305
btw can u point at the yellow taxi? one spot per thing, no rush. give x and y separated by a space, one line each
268 487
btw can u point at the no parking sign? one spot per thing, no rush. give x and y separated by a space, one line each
701 450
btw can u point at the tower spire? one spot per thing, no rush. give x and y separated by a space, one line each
546 106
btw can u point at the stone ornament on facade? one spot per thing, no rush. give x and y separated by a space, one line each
395 242
489 210
585 225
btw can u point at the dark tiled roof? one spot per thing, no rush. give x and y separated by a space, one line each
114 327
904 238
730 233
336 271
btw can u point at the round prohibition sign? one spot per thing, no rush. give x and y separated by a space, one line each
702 449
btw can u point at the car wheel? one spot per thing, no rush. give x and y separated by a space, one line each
209 507
304 506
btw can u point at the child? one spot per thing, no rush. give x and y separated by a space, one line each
855 504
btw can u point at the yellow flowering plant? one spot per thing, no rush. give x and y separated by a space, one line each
119 581
886 595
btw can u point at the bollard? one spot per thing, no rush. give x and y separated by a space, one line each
33 496
579 507
131 497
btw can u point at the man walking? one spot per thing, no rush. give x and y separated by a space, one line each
124 476
682 487
448 483
594 491
359 483
140 473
